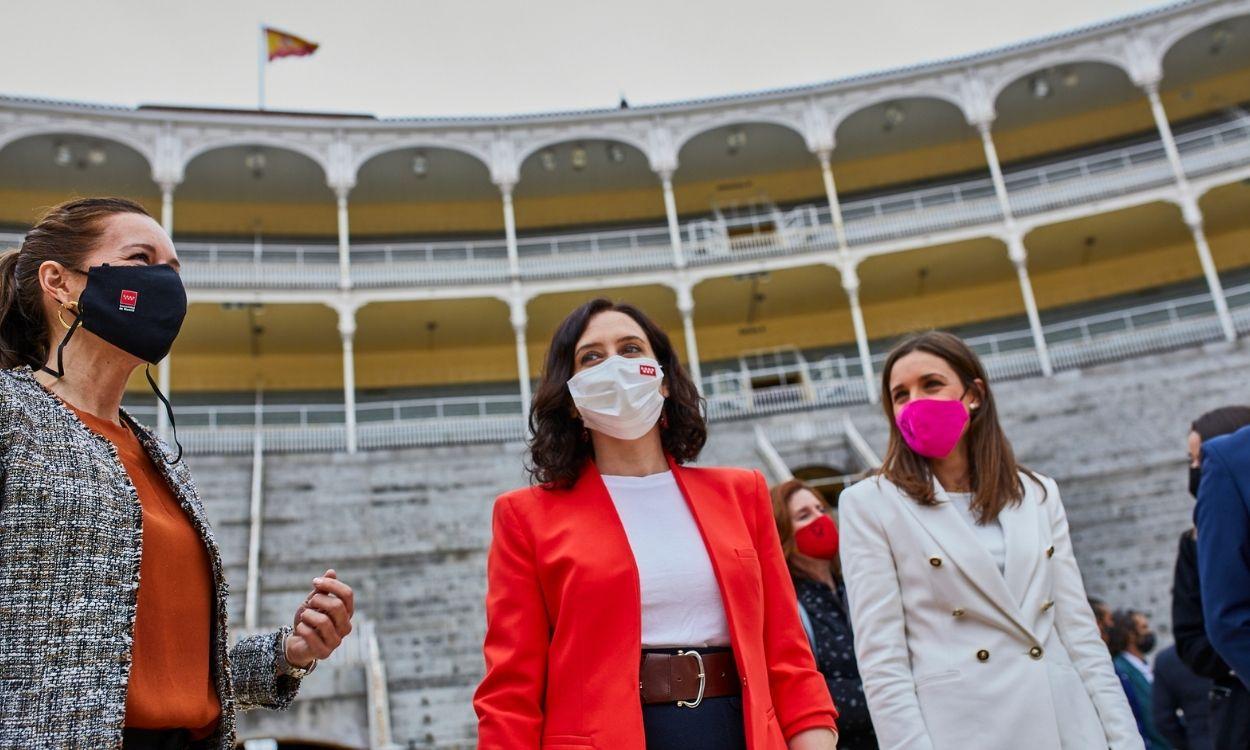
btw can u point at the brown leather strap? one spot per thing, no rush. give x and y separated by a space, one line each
668 679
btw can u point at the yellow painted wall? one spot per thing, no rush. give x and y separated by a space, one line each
25 207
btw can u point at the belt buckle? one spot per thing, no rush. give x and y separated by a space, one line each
702 680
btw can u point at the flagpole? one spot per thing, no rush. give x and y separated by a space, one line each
262 58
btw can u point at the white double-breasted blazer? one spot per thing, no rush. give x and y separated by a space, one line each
956 654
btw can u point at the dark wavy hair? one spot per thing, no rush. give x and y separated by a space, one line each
558 448
992 464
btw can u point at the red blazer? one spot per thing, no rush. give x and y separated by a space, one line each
564 619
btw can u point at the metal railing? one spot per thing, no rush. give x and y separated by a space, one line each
1064 183
833 381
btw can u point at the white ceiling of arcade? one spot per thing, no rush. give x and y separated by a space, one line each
255 174
75 164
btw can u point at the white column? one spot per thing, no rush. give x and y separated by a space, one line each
670 210
345 260
685 305
831 194
509 229
1191 212
162 380
167 208
996 171
1015 248
1020 259
850 284
162 368
520 319
347 331
850 276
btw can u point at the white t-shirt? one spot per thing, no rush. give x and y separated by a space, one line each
681 601
990 535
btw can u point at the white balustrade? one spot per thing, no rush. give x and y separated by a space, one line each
1069 182
831 381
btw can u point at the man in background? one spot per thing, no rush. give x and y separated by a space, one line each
1131 640
1229 700
1222 518
1181 703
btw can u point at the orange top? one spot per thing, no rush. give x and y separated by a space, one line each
171 684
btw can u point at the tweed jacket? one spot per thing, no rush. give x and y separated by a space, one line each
71 539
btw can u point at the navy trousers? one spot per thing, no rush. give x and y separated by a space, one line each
715 725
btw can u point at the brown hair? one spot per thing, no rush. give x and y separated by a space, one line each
66 233
557 449
992 467
781 495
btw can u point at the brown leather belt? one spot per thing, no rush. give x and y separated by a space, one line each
688 678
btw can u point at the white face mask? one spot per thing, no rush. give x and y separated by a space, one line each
619 396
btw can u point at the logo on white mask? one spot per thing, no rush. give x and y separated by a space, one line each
619 397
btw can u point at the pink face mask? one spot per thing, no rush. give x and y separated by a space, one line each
932 427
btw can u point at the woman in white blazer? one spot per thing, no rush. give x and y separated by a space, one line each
972 628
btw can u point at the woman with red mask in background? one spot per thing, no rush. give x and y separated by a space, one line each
972 627
809 539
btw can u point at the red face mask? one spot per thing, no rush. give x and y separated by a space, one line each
818 539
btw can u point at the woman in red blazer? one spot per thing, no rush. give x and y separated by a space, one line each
634 602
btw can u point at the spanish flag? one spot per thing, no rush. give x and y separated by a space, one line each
282 44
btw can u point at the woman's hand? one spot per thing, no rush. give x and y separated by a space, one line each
814 739
321 622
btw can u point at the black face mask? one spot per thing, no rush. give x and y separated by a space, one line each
1195 476
138 309
1146 643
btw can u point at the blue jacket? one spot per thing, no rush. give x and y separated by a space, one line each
1223 520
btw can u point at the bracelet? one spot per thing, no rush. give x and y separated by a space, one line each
290 670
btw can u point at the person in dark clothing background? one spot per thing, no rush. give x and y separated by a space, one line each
1230 702
809 539
1181 703
1131 641
1102 616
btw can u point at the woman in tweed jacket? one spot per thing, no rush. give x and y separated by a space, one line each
71 525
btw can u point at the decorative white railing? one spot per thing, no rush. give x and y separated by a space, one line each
1065 183
832 381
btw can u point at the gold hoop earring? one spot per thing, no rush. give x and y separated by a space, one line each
60 313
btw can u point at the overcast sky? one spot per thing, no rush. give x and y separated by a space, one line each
397 58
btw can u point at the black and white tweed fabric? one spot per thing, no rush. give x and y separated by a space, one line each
70 545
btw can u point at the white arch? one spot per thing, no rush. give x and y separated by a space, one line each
684 137
255 140
873 98
147 151
419 141
1212 17
1025 66
628 139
